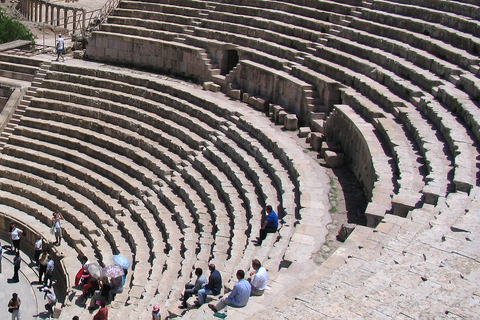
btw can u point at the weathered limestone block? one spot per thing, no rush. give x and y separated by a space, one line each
206 85
328 146
304 131
281 117
402 204
245 97
316 139
334 159
276 110
258 103
215 87
234 93
375 213
318 125
291 122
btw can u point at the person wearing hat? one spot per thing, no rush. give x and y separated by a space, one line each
60 46
156 315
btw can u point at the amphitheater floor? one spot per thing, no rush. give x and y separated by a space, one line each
27 288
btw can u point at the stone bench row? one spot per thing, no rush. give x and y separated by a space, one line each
463 23
376 23
277 171
464 8
408 173
208 115
295 14
10 197
53 148
455 41
87 209
50 104
459 142
240 121
421 130
212 107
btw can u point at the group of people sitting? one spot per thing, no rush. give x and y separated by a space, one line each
100 291
255 285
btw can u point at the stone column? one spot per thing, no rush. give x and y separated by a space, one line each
74 20
40 11
65 15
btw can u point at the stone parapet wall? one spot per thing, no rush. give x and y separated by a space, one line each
166 56
366 157
275 86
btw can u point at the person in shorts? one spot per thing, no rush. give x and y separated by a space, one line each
60 47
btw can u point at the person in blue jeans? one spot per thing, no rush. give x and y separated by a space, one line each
269 226
239 296
213 287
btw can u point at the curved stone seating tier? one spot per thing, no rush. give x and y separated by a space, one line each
421 58
53 120
95 214
378 94
361 145
463 8
53 148
19 68
379 23
457 136
204 115
440 14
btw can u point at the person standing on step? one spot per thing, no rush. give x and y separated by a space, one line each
42 265
49 273
16 235
269 226
259 278
191 289
37 247
213 287
16 266
14 306
239 296
60 47
57 228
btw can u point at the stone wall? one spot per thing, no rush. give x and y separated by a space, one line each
272 85
173 58
366 157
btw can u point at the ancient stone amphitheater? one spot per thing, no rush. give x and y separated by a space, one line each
175 177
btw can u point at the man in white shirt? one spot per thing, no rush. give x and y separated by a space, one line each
38 248
16 235
60 47
49 273
259 278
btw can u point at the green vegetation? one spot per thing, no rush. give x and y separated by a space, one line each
333 196
11 29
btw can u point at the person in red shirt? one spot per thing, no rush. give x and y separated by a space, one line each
102 313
